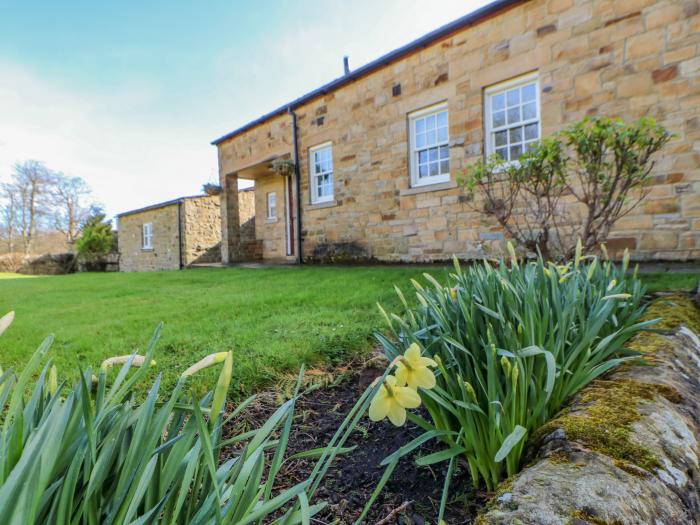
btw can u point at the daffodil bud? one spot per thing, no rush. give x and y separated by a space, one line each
137 362
505 364
470 390
612 284
453 293
592 268
520 329
514 374
210 360
53 380
617 296
604 251
626 260
579 252
513 255
547 272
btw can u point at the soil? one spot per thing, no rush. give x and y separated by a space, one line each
412 494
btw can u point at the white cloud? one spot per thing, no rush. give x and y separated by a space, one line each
146 139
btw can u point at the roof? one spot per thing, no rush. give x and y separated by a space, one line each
420 43
160 205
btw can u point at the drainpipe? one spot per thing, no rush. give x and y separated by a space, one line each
297 182
179 233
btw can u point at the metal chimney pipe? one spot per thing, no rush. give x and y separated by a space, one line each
346 64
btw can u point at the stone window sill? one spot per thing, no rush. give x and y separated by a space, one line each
321 205
146 249
270 220
441 186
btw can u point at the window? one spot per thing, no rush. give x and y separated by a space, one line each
321 169
430 149
272 205
512 117
147 236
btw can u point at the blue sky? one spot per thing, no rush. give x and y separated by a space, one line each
129 94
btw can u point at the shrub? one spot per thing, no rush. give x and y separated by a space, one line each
511 343
96 239
573 185
93 453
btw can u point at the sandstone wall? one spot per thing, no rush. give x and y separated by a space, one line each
625 58
201 228
165 253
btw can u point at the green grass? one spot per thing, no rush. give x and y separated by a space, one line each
273 319
660 282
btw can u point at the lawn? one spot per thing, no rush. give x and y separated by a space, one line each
273 319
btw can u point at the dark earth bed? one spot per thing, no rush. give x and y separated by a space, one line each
412 495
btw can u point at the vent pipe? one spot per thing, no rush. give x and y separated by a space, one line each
346 64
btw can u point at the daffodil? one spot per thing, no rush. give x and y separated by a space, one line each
392 400
412 369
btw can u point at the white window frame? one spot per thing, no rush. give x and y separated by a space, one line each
413 117
502 87
147 236
272 205
314 176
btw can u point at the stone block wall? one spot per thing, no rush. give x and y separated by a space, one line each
201 229
620 58
165 253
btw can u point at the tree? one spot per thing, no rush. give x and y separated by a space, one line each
574 185
71 209
8 215
97 238
31 184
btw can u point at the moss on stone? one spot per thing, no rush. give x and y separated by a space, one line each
605 426
582 515
674 311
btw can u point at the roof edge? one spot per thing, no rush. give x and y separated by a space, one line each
384 60
163 204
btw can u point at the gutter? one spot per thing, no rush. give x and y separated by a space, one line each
421 43
297 182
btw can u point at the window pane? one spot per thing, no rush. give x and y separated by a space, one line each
499 119
442 134
317 168
514 115
528 92
530 145
423 170
433 154
444 167
501 138
515 152
444 152
516 135
423 157
503 153
420 140
498 102
531 132
431 137
420 125
529 110
442 119
430 122
513 97
434 169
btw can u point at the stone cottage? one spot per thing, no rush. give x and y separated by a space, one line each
179 233
365 167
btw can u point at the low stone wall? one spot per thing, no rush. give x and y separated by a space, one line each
48 264
626 450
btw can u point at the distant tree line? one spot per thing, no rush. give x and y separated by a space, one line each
37 200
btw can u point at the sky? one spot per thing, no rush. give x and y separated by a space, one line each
129 94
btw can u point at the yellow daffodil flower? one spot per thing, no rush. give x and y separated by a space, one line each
412 369
392 401
453 293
